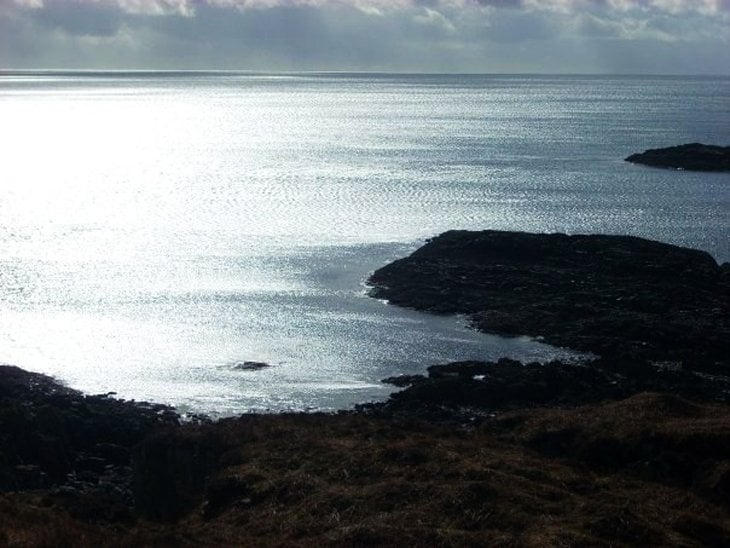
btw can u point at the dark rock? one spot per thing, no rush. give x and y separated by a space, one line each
74 445
403 380
30 476
112 453
224 492
92 464
250 366
718 482
709 534
692 157
472 390
87 476
170 471
616 296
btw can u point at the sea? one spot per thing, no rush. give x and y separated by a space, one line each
158 229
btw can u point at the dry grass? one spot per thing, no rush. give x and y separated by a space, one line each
303 480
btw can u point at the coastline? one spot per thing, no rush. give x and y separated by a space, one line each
615 296
631 448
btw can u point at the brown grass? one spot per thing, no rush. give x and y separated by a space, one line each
303 480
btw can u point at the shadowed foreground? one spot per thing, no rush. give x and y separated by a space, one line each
650 469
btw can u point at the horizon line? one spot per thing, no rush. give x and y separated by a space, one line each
92 71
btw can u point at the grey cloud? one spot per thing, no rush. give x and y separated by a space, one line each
420 35
501 3
651 25
79 18
514 27
280 32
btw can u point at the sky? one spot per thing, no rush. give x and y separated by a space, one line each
476 36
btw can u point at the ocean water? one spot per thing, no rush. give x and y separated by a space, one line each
158 228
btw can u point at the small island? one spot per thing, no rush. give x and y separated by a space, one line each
690 157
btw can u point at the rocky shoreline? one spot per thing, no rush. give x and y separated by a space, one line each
76 448
616 296
631 448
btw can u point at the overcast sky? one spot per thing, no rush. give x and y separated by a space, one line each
548 36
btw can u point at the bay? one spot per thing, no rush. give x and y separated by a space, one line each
158 228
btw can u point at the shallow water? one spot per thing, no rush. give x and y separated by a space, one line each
157 229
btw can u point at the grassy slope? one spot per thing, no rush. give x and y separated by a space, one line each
618 473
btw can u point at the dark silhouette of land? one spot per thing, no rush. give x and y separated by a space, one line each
616 296
692 157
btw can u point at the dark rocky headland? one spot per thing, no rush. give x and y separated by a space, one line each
629 448
691 157
616 296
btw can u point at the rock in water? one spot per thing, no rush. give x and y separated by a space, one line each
250 366
692 157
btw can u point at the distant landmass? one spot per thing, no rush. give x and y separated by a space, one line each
692 157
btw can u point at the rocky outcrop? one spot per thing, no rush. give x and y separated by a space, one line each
692 157
470 391
616 296
76 446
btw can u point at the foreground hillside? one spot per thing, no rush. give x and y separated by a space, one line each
631 449
650 469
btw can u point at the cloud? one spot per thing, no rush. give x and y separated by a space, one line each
399 35
29 4
78 18
431 17
157 7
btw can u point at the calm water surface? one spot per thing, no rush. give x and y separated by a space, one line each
156 229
